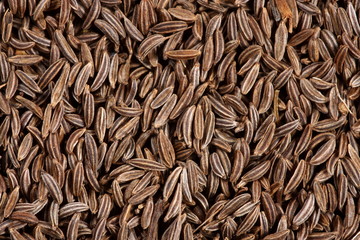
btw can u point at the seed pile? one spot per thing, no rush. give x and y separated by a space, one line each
179 119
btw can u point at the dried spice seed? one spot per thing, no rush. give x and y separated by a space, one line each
218 119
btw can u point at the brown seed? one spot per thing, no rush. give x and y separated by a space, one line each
183 54
265 141
306 210
324 152
128 120
10 204
249 221
103 71
301 37
169 27
281 38
25 147
26 217
30 105
250 78
50 73
108 30
60 85
64 47
132 30
93 13
149 43
52 186
37 38
146 164
24 60
182 14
